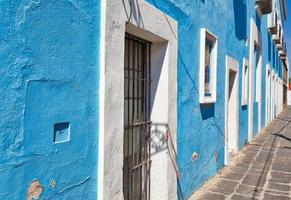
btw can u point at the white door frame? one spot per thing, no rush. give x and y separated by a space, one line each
115 22
268 99
233 65
272 95
255 38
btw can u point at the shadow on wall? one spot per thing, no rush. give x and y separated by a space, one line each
133 12
161 139
240 17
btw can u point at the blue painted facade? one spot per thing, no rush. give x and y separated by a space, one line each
50 92
49 75
201 126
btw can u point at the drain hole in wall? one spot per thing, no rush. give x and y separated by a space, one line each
194 156
62 132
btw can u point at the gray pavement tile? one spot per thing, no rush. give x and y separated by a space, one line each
239 169
254 180
265 155
225 187
248 190
284 153
262 165
283 160
268 150
258 171
268 196
232 176
252 149
244 165
280 177
247 159
210 196
240 197
277 186
281 167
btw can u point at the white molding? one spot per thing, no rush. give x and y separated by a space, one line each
151 24
258 81
277 36
259 74
231 63
277 93
272 94
245 82
255 37
268 92
205 34
272 19
100 167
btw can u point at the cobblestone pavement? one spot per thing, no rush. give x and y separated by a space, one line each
261 170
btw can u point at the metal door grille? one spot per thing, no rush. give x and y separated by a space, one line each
137 124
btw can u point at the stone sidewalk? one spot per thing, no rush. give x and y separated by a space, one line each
262 170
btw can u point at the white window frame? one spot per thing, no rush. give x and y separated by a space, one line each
245 82
206 35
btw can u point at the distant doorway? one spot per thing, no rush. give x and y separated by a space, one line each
268 95
231 109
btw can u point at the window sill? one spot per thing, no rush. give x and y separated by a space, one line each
207 100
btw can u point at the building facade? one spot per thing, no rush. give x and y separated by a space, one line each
217 79
133 99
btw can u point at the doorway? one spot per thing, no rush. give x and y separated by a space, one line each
231 109
137 123
268 95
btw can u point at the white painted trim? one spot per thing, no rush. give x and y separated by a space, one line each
268 96
255 37
272 94
151 24
205 34
258 81
100 167
245 82
277 36
259 75
232 64
277 94
272 19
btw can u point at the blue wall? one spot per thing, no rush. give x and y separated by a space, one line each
49 57
201 127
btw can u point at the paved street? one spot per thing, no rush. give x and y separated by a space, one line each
262 170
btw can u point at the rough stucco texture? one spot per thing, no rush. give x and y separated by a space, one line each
49 73
201 127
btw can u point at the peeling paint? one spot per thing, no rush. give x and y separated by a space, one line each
34 191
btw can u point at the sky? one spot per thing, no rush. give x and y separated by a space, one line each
288 29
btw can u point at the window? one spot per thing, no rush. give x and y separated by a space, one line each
245 82
208 64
